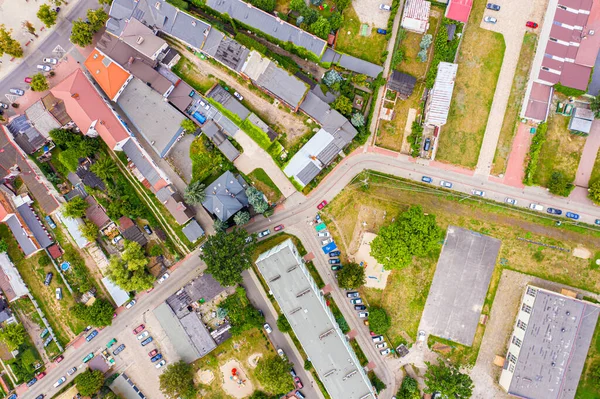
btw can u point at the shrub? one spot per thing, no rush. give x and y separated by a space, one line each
414 138
568 91
444 50
534 152
559 184
379 322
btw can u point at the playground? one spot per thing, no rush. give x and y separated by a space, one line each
235 382
376 275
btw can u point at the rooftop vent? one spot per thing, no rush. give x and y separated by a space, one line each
95 55
591 32
193 22
140 40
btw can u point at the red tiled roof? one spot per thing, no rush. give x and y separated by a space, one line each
459 10
86 106
55 251
552 63
556 49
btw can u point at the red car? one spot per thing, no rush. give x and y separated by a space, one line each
59 359
322 205
40 375
139 329
278 228
298 383
153 352
530 24
28 80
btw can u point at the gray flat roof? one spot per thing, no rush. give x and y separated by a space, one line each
283 85
459 286
360 66
193 231
227 100
155 119
313 323
126 388
554 348
202 287
25 242
177 334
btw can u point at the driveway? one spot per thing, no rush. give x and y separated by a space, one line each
588 156
255 157
515 169
511 24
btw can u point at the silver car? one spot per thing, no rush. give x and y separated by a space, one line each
52 61
490 20
510 201
45 68
17 92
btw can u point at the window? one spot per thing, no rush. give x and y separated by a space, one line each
512 358
526 308
522 325
531 291
545 69
562 7
516 341
511 368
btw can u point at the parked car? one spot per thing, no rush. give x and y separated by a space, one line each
42 67
156 358
479 193
381 345
153 352
268 328
88 357
326 241
143 335
536 207
238 96
160 364
91 335
385 351
363 315
490 20
360 307
281 353
322 205
293 372
31 382
111 343
17 92
52 61
445 184
531 24
27 79
3 105
50 222
385 7
58 294
130 304
13 396
335 268
572 215
333 254
40 375
382 31
72 371
323 234
426 179
510 201
334 261
298 383
278 228
427 145
59 359
264 233
356 301
60 381
377 338
554 211
48 278
352 294
117 239
119 349
597 221
300 395
147 229
493 7
147 341
139 329
40 396
163 278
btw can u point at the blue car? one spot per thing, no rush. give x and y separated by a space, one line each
50 222
334 261
156 358
13 396
146 341
382 31
334 254
572 215
426 179
91 336
554 211
597 221
31 382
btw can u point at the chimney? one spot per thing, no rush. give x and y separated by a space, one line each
140 40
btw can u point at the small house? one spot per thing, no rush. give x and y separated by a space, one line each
402 83
416 16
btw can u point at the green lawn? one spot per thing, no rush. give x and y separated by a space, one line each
187 71
588 387
207 164
349 41
511 117
412 64
478 69
263 182
596 170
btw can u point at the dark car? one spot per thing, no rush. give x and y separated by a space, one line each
352 294
597 221
156 358
31 382
360 307
48 278
382 31
334 261
554 211
493 7
336 267
91 336
426 179
119 349
40 396
572 215
427 145
147 229
146 341
334 254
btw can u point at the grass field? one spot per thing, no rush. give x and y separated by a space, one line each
263 182
406 292
192 75
349 41
478 69
390 134
511 117
561 151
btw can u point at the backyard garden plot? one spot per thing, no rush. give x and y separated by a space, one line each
393 134
364 43
263 182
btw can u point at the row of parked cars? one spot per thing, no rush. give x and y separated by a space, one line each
144 336
297 382
359 306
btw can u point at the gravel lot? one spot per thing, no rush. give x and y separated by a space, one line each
369 13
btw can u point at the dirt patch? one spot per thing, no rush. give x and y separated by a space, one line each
377 276
235 382
253 359
581 252
205 376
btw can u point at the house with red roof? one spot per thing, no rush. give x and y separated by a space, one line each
459 10
111 77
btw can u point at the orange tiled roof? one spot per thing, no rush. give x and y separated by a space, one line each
109 75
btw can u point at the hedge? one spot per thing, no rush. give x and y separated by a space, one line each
568 91
534 152
443 50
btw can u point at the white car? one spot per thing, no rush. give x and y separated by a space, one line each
163 278
536 207
510 201
202 104
479 193
381 345
268 328
52 61
117 239
281 353
143 335
60 381
363 315
490 20
17 92
385 351
445 184
130 304
238 96
377 338
160 364
327 241
385 7
45 68
2 105
324 234
421 336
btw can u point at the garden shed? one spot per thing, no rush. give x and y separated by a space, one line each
416 16
402 83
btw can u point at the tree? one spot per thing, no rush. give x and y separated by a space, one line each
88 146
321 27
13 335
335 21
75 208
426 41
331 77
379 322
297 5
273 373
256 198
81 33
398 57
359 79
241 314
422 55
594 192
47 15
351 276
560 184
89 382
105 168
39 82
342 104
194 193
63 137
266 5
342 4
107 2
89 230
99 314
357 119
3 246
241 218
178 381
448 381
220 225
595 106
156 250
261 395
227 255
28 26
129 271
283 324
409 389
189 126
412 234
97 18
8 45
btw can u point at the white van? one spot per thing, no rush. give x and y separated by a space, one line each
59 293
536 207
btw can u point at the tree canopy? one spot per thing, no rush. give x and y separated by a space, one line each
351 276
283 324
13 335
256 198
241 218
412 234
129 271
178 381
266 5
241 314
273 373
560 184
227 255
97 18
189 126
321 27
379 322
81 33
595 106
99 314
89 230
448 381
357 119
8 45
594 192
75 208
194 193
105 168
409 389
47 15
342 104
89 382
3 245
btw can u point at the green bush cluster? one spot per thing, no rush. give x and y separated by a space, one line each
414 138
390 23
568 91
534 152
443 50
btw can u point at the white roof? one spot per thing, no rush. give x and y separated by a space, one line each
441 95
303 157
13 276
72 226
117 293
416 15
